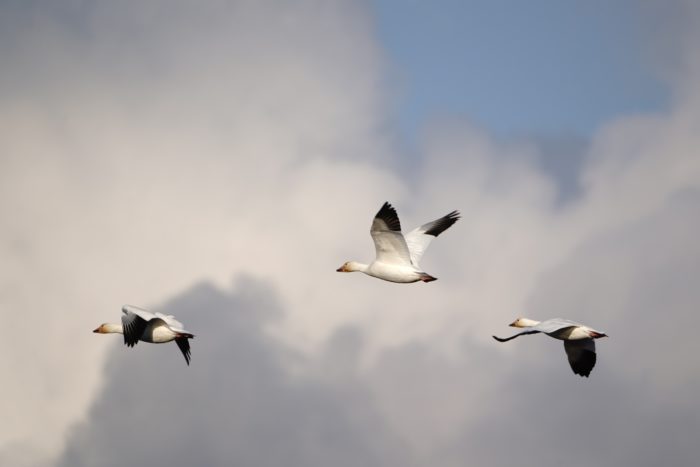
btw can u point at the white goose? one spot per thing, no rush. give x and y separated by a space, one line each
157 328
397 256
578 340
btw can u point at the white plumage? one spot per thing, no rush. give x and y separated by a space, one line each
579 343
156 328
397 256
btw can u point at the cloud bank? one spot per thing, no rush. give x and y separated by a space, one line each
240 403
150 146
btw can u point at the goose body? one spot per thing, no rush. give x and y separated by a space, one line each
398 255
579 340
156 328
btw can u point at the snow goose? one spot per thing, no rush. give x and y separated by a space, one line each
578 340
397 255
157 328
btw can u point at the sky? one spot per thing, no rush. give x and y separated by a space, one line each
577 64
218 161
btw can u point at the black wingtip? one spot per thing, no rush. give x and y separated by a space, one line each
388 214
184 346
444 223
585 363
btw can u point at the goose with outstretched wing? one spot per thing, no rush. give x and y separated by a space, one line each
579 343
156 328
398 255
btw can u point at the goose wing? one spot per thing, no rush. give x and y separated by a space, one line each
171 322
131 309
581 355
134 322
552 325
184 344
419 238
389 242
506 339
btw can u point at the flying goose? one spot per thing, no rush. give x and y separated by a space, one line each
578 340
157 328
397 255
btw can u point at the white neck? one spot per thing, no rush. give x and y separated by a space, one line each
108 328
355 266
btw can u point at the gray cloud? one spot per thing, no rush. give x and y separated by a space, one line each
147 146
144 145
236 404
249 399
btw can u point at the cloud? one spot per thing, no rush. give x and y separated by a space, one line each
150 146
235 404
249 399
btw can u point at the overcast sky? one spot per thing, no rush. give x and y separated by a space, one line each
219 160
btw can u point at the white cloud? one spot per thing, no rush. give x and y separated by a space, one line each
150 146
153 145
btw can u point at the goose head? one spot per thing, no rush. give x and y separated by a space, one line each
108 328
349 266
523 323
